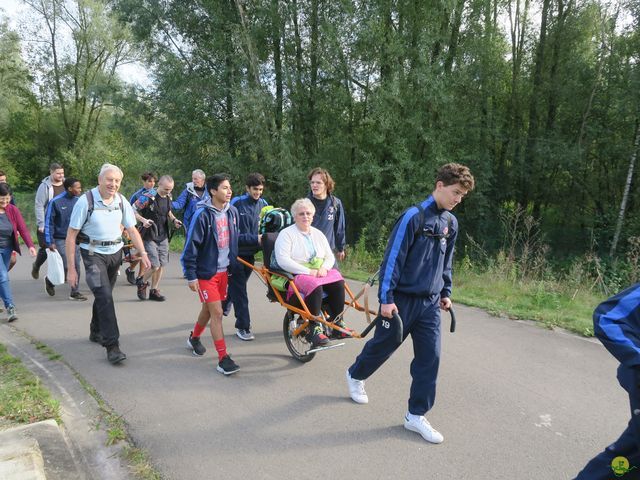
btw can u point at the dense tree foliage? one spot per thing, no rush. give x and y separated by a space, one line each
540 99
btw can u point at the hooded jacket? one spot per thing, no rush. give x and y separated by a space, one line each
418 257
189 200
44 194
200 255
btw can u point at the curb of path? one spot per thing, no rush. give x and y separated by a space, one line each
80 412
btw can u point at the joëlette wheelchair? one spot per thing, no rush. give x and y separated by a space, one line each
297 320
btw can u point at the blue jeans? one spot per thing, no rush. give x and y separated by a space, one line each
5 286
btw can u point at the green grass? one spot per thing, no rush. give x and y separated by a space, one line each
547 302
23 399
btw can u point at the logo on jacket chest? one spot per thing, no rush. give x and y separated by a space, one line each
331 212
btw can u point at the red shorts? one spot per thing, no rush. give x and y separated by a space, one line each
214 289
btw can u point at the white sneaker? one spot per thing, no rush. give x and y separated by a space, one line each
356 390
245 335
419 424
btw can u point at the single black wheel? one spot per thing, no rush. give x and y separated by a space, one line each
298 346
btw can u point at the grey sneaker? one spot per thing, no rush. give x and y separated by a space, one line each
245 334
11 312
227 366
195 345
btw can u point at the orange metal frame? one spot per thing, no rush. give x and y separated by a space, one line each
304 312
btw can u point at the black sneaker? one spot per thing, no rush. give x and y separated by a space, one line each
154 294
35 271
195 345
227 366
114 355
49 287
318 338
338 334
142 288
131 276
77 296
95 337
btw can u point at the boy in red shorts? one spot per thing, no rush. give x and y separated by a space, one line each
210 248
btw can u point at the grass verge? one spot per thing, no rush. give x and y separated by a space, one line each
23 398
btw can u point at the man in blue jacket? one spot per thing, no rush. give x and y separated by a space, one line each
193 193
329 217
415 282
56 224
616 323
210 248
249 206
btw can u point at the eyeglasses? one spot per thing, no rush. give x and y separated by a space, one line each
305 214
316 183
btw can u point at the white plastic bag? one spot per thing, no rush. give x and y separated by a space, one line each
55 267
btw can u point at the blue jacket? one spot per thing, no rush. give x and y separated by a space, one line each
249 222
189 200
136 194
418 258
58 216
331 222
200 255
616 323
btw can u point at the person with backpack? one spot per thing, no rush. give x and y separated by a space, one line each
96 224
415 283
249 206
329 217
616 323
149 180
193 193
56 225
153 211
50 187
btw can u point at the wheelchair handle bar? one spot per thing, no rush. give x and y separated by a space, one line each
396 318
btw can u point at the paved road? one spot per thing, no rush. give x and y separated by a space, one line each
514 401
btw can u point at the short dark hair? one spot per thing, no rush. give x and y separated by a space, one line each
453 173
3 173
214 181
255 180
68 182
55 166
146 176
4 189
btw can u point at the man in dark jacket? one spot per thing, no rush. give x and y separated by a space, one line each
193 193
56 224
210 248
249 206
616 323
329 217
415 283
153 211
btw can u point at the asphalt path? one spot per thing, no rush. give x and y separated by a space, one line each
514 401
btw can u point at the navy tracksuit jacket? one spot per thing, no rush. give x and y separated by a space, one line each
58 216
616 323
330 221
248 225
415 273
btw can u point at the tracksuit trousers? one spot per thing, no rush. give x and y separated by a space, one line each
627 446
421 319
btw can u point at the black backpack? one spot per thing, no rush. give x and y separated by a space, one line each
83 237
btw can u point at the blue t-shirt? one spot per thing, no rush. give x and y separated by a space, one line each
104 223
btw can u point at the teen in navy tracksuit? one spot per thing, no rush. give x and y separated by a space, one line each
329 217
616 323
249 206
210 248
415 282
56 223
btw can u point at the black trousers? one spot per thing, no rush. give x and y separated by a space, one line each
101 272
335 299
41 257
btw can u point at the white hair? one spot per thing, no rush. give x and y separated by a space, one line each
107 167
302 202
199 173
